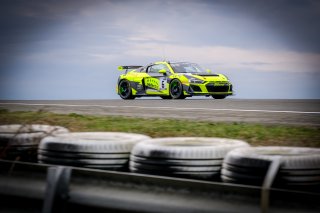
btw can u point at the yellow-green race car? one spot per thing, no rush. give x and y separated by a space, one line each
171 81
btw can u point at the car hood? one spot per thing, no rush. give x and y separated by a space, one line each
207 77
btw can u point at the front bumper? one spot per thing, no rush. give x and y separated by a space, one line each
210 88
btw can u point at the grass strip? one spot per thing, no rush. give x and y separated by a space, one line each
255 134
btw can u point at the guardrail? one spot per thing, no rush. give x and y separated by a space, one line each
32 187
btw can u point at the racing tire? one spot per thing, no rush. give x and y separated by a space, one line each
299 166
219 96
243 176
261 157
66 161
20 142
176 89
90 166
104 150
192 175
244 170
82 155
175 162
182 156
170 168
92 142
187 148
125 90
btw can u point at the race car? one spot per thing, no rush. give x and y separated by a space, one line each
171 81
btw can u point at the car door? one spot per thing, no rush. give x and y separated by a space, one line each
155 82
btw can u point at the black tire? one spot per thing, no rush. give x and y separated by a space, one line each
176 89
125 90
242 176
187 148
227 179
27 135
101 150
166 97
70 161
20 142
299 166
183 156
82 155
303 179
219 96
169 168
31 128
175 162
92 142
261 157
299 172
91 166
191 175
245 170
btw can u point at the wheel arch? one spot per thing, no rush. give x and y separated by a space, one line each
133 91
182 87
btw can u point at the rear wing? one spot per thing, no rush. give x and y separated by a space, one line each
126 68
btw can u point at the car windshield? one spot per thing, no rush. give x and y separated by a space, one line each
187 68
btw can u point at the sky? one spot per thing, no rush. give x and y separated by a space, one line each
70 49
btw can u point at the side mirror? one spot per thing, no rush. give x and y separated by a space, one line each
208 71
163 71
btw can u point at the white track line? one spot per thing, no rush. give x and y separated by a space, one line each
164 108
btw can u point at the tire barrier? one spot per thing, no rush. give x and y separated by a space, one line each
299 168
20 142
100 150
190 157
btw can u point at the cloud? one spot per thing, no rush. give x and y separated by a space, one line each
48 41
208 32
295 21
231 58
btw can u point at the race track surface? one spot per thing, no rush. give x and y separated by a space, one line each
292 112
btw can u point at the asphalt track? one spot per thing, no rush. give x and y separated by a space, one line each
291 112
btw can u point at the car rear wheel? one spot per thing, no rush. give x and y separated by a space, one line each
176 89
219 96
125 91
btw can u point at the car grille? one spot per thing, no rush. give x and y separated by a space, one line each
212 88
195 88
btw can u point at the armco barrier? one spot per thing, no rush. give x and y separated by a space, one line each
29 187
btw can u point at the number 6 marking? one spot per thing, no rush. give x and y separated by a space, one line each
163 83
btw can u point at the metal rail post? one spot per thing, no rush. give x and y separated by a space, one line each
267 183
57 190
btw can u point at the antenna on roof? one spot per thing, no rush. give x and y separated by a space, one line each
163 53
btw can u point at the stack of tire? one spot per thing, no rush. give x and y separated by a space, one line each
299 168
20 142
99 150
187 157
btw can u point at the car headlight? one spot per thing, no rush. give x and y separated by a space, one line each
195 81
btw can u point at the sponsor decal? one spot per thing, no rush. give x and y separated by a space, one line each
152 83
157 84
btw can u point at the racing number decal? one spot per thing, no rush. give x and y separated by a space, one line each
162 82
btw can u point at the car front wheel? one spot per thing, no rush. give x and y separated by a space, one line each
125 91
176 89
